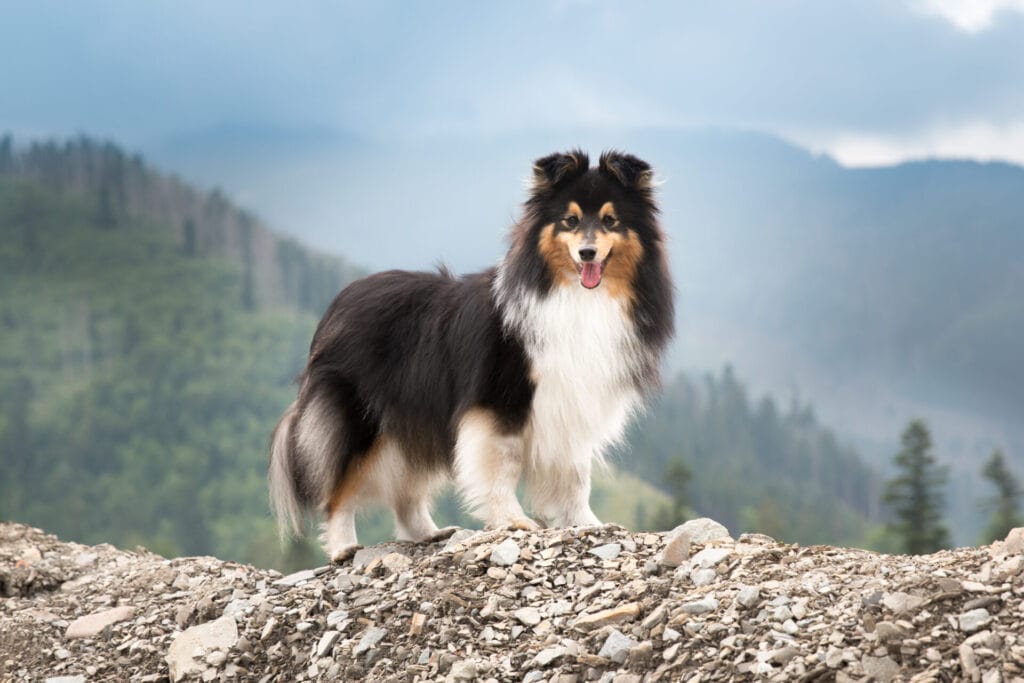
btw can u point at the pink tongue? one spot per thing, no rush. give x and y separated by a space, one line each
591 275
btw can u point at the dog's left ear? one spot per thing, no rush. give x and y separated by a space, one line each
631 171
555 169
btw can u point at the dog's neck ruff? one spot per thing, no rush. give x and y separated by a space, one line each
586 361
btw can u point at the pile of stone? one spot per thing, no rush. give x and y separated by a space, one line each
559 605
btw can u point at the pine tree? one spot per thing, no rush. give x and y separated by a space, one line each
915 494
676 478
1005 505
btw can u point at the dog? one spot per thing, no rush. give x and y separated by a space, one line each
531 369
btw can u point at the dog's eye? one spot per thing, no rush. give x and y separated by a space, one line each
572 221
609 221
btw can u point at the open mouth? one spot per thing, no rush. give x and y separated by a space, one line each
591 272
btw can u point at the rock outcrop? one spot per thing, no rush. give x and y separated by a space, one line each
555 605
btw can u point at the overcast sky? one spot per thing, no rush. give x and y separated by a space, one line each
871 82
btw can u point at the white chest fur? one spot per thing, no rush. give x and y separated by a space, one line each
584 354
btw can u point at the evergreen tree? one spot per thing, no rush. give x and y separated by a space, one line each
915 494
1005 505
6 154
676 480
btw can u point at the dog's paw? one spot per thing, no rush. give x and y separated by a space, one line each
516 524
441 534
344 553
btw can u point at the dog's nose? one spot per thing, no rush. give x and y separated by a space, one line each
587 253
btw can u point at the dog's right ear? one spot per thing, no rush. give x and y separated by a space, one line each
551 171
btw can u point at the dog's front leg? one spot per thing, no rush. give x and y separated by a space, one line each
561 494
488 465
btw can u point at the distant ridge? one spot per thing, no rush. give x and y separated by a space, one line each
278 271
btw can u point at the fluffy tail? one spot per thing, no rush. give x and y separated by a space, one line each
284 493
306 453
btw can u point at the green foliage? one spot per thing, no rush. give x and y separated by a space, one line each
1005 505
915 494
676 481
137 394
756 468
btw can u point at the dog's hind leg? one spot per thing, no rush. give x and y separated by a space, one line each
488 465
339 538
410 491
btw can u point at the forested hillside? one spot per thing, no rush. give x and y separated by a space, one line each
149 334
121 193
756 466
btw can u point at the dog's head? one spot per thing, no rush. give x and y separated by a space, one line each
592 226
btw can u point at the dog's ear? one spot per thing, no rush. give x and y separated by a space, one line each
551 171
632 172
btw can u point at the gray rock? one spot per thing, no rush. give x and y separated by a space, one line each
782 613
709 557
676 552
1014 543
702 606
336 617
85 559
549 655
216 658
748 596
882 669
617 646
327 641
608 551
670 634
296 578
65 679
968 664
702 577
371 637
457 538
505 554
464 670
528 616
268 628
596 620
238 608
395 563
364 556
889 632
187 650
701 530
93 624
656 616
975 619
900 602
784 654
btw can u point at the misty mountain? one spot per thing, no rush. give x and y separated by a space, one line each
878 294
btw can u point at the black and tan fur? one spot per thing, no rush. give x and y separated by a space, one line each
521 370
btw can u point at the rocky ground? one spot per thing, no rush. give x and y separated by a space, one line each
555 605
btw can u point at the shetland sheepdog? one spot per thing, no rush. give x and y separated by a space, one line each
527 370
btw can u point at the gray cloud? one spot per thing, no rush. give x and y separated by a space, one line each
141 71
